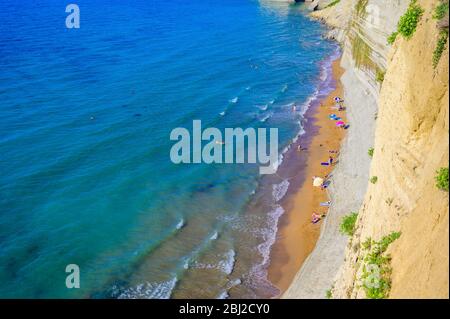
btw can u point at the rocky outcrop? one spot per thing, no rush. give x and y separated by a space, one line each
411 143
405 118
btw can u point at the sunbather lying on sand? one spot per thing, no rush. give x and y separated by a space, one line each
315 218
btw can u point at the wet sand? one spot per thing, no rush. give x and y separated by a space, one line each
297 236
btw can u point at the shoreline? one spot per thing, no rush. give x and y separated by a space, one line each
297 236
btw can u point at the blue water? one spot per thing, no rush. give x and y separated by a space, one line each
85 120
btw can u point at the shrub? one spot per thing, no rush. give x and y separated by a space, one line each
442 179
379 76
328 294
348 224
408 22
373 179
376 272
392 37
387 240
335 2
440 47
370 152
367 243
441 10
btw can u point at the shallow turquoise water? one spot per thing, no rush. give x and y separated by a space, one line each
84 143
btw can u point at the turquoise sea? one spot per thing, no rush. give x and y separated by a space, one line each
85 121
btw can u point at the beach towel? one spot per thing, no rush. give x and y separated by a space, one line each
326 204
325 163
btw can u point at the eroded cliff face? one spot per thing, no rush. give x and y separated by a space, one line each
398 104
411 143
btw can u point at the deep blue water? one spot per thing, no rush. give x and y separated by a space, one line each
85 120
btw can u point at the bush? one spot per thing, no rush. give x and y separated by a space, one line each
442 179
373 179
379 76
370 152
408 22
392 37
387 240
329 294
441 10
440 47
376 274
348 224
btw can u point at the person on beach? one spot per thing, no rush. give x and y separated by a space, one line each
325 183
330 160
315 218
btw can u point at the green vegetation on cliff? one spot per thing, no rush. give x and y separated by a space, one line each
441 14
376 271
442 179
408 22
348 224
441 10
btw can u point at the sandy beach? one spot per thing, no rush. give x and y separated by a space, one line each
297 236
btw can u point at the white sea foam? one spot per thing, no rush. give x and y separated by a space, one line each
263 107
180 224
223 295
270 234
234 100
226 264
222 113
265 117
214 236
279 190
150 290
259 271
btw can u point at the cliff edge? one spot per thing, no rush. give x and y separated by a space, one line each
397 100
